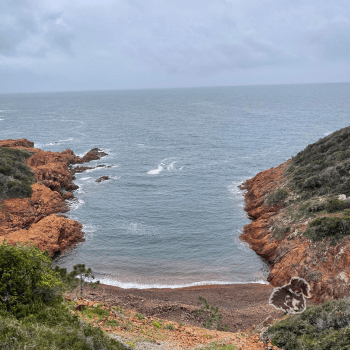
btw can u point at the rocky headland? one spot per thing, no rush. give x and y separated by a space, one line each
39 218
300 217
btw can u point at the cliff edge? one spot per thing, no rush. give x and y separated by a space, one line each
300 215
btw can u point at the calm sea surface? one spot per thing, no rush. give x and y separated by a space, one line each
172 213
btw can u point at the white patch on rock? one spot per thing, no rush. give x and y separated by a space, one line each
342 276
341 251
342 197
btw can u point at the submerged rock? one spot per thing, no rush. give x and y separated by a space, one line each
102 178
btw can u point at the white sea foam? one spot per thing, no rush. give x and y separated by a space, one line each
171 166
85 178
138 229
235 193
129 285
155 171
244 246
76 203
327 133
66 140
163 164
89 230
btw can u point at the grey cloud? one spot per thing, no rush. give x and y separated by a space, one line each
29 30
133 43
332 42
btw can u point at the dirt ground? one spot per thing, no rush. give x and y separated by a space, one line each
242 306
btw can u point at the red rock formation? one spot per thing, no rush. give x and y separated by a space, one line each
325 267
34 219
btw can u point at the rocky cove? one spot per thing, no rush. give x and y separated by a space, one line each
39 219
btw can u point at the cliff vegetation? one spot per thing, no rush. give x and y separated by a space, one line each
33 313
16 177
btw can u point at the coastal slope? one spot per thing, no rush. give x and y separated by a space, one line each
300 217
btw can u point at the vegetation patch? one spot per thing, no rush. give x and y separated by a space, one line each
16 177
33 313
276 197
334 228
323 167
319 327
280 232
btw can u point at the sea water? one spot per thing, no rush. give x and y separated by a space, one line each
171 213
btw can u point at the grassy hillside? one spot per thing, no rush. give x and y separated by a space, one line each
323 168
16 177
316 190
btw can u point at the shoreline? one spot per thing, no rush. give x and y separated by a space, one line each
242 305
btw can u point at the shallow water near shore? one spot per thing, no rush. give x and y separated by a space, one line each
171 213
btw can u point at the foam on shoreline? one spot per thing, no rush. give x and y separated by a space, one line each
132 285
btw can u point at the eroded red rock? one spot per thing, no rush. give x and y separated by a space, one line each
35 219
326 269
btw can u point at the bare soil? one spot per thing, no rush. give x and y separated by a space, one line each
242 306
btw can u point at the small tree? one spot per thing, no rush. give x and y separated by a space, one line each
214 318
85 276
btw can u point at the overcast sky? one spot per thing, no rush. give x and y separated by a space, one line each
59 45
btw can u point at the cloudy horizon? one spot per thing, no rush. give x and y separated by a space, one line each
107 45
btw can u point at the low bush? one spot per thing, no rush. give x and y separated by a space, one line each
333 228
52 328
32 311
276 197
139 316
320 327
16 177
27 281
335 205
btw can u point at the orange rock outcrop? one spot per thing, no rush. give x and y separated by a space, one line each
36 219
326 268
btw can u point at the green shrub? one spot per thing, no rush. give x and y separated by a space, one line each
169 326
112 323
16 177
317 207
156 324
52 328
98 312
27 281
276 197
323 167
319 327
139 316
328 227
335 205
